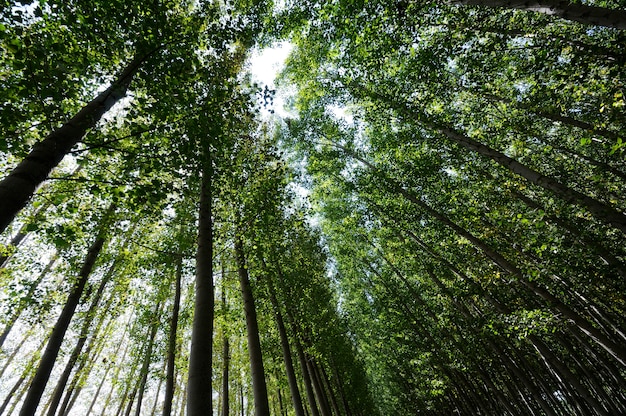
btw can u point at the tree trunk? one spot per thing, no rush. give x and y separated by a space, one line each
199 389
588 15
82 339
48 359
225 354
259 388
171 348
284 342
145 366
18 187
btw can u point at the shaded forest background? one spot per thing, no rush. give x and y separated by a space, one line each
436 226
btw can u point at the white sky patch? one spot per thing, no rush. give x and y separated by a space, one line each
265 65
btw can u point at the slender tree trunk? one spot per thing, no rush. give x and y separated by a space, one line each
158 390
199 389
259 387
84 333
23 303
18 187
48 359
145 367
586 14
225 354
171 349
284 342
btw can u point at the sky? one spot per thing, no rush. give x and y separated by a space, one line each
265 65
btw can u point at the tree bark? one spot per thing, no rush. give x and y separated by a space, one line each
18 187
145 366
259 387
48 359
171 348
199 389
284 342
84 333
225 354
588 15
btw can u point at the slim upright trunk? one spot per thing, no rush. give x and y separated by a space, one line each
225 354
17 188
259 387
145 366
171 349
82 339
48 359
199 390
284 342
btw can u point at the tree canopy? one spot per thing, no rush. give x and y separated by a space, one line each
436 224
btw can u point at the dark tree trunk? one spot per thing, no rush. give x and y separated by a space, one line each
171 348
82 339
259 387
18 187
48 359
145 366
199 389
284 342
225 354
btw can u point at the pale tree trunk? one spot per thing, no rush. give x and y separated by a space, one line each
588 15
171 348
48 359
199 389
18 187
259 387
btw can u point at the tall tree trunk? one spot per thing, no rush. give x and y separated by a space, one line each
588 15
284 342
145 366
199 389
82 339
23 303
18 187
259 387
171 348
48 359
308 382
225 354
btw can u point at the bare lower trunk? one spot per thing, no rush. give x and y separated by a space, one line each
199 389
171 349
58 332
259 387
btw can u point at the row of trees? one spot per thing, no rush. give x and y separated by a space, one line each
466 167
161 189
